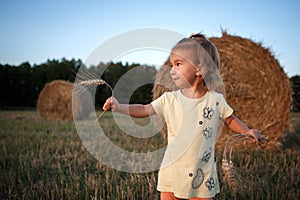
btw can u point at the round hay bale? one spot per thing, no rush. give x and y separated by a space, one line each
55 102
256 86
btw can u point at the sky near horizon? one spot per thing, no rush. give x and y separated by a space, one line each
38 30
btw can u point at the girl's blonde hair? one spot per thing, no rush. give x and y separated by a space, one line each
194 47
202 54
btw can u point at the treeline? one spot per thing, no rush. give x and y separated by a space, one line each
20 85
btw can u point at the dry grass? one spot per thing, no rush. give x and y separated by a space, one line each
46 160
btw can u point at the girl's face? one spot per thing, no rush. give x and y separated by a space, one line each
183 73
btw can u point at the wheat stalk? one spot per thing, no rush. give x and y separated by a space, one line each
97 82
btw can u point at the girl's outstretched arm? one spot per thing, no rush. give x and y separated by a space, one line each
134 110
236 125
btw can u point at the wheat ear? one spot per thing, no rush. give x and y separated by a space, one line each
231 177
228 168
97 82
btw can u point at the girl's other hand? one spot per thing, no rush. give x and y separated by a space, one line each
255 134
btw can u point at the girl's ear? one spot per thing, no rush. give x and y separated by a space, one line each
200 71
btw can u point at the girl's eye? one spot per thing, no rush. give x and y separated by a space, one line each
176 64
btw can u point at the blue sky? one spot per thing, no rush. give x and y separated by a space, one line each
37 30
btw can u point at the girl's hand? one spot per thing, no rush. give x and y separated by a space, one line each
255 134
111 104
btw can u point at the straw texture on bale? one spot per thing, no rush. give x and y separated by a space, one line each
257 88
55 102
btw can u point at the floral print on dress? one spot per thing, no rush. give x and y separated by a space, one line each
206 156
207 132
208 112
210 184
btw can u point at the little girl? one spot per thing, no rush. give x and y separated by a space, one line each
193 115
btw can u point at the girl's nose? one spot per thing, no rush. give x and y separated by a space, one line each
172 71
